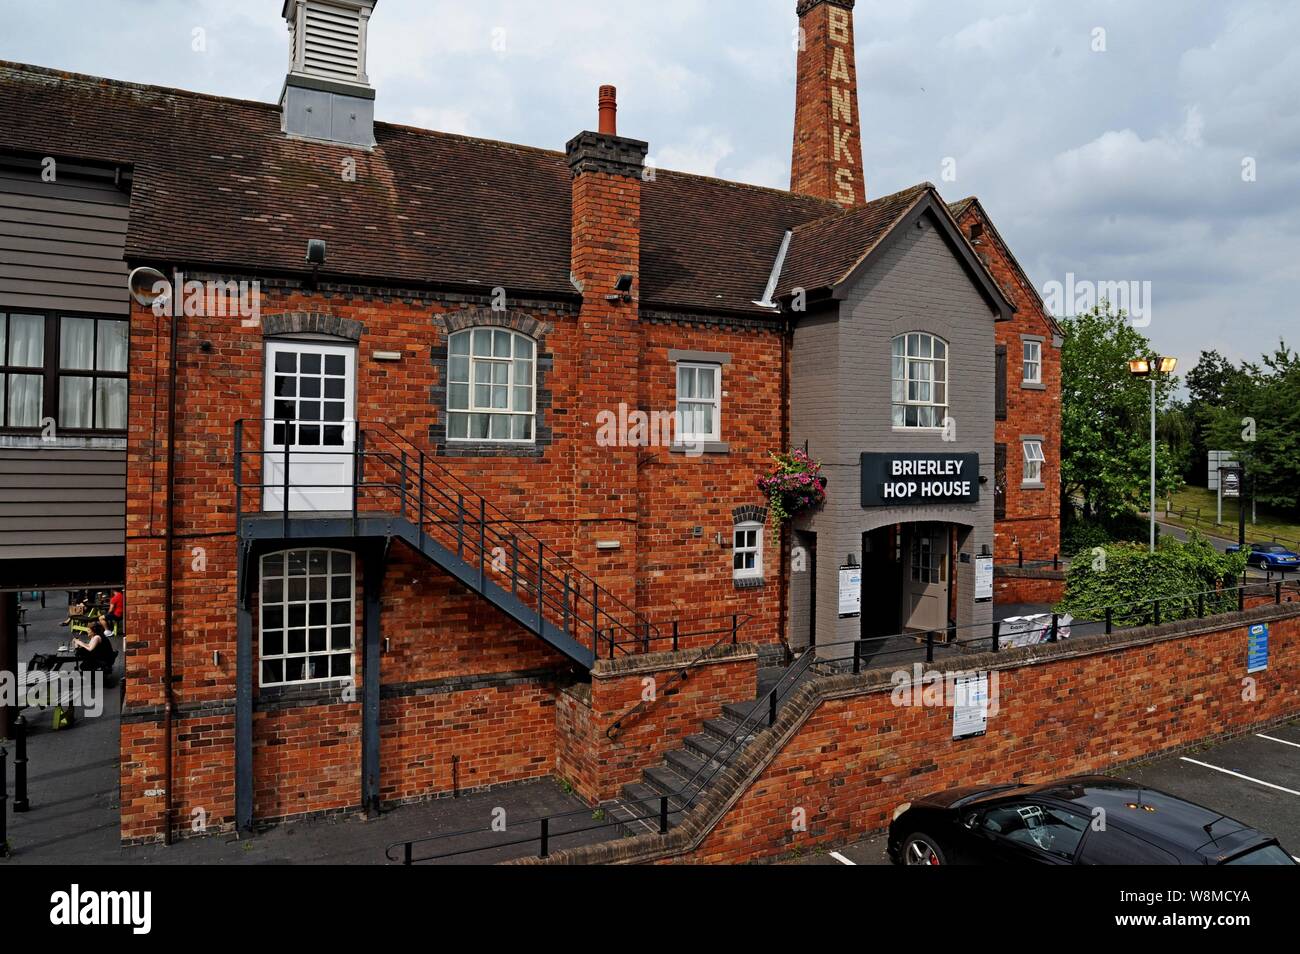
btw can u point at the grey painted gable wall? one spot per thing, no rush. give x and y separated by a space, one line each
841 404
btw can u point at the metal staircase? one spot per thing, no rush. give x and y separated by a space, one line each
399 491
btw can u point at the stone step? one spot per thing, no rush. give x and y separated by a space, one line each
690 766
638 810
723 728
666 780
706 745
740 711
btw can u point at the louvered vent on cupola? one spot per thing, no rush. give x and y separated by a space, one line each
327 92
329 39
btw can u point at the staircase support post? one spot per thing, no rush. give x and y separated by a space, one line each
541 582
514 566
374 582
595 623
244 699
421 500
405 483
564 605
663 814
482 544
460 526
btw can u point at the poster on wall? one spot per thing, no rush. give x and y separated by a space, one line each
984 579
970 705
850 591
1257 648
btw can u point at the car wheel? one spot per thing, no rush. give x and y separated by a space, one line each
920 849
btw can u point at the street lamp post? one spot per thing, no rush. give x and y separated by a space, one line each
1151 368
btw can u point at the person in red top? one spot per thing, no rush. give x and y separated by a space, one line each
115 608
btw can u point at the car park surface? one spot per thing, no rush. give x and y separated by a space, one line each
1254 779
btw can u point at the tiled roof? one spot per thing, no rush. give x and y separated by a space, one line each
217 184
824 252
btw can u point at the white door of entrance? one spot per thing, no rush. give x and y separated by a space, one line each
311 409
927 581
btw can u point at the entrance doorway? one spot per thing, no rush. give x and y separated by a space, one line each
907 579
928 576
311 411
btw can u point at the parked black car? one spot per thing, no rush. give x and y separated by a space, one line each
1088 820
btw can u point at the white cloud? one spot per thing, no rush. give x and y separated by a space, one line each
1124 164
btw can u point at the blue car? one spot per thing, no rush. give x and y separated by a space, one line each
1270 556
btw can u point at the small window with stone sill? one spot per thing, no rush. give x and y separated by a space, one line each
747 552
1034 460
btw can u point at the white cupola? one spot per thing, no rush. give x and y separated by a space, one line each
327 94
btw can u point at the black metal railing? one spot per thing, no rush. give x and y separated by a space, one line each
731 636
856 656
392 477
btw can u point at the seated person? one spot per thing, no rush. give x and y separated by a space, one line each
109 624
97 650
115 610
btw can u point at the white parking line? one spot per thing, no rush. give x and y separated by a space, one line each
842 860
1274 739
1247 778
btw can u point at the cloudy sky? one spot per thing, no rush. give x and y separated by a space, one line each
1122 142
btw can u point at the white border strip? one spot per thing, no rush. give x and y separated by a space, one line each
842 860
1271 738
1247 778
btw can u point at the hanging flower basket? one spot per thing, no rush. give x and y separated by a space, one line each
794 485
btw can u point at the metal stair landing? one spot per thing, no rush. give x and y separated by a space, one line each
399 491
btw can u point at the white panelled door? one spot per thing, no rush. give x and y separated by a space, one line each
311 411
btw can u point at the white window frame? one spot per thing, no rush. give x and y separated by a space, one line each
684 435
1034 458
756 571
908 379
471 407
330 624
1035 362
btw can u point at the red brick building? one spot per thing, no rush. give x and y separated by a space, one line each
507 420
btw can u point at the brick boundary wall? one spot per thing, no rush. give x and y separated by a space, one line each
1014 585
598 766
845 753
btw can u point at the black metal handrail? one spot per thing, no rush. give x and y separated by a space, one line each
684 673
482 536
766 708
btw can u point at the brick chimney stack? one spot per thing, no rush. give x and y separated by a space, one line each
606 263
827 159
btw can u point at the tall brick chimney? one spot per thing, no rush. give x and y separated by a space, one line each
827 159
606 264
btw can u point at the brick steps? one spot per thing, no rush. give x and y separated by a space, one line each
688 771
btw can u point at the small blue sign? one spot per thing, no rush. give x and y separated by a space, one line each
1257 648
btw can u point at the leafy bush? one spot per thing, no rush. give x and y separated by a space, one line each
1129 578
1080 536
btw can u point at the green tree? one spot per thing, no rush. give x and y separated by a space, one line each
1105 416
1211 385
1258 418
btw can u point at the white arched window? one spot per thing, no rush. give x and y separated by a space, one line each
308 613
491 386
920 371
